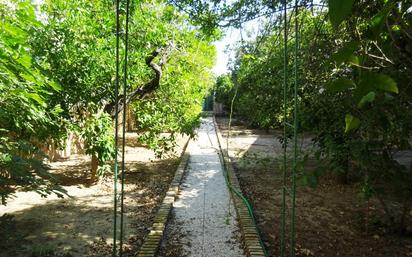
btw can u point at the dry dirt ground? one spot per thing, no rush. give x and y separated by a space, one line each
81 224
330 220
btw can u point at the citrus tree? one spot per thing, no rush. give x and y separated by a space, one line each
354 84
57 73
26 115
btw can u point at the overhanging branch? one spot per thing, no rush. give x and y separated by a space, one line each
151 85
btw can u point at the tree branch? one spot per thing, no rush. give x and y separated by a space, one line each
151 85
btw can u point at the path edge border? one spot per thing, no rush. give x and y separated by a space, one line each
250 236
153 240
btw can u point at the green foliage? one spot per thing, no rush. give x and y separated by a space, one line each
259 72
339 10
57 74
346 53
211 14
26 116
351 122
85 65
354 89
341 84
382 119
224 88
370 81
98 135
76 47
175 106
368 98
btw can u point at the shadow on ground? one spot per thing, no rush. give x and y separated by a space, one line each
330 219
82 224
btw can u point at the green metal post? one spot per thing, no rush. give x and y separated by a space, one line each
285 85
124 127
116 93
295 137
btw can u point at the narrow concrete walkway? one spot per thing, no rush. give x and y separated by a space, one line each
204 209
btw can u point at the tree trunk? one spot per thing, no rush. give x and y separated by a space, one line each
344 173
148 87
95 164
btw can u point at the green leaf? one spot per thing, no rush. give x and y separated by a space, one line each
354 60
14 31
339 10
351 122
396 28
340 85
387 84
374 81
379 81
30 78
377 22
25 60
249 57
55 86
36 98
346 52
368 98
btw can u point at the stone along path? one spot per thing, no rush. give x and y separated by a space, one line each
204 211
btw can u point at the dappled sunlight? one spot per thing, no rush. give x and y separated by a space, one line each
84 217
184 196
194 195
207 174
204 208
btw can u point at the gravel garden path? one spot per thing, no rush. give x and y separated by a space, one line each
204 212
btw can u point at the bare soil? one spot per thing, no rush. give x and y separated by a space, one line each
331 220
82 223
